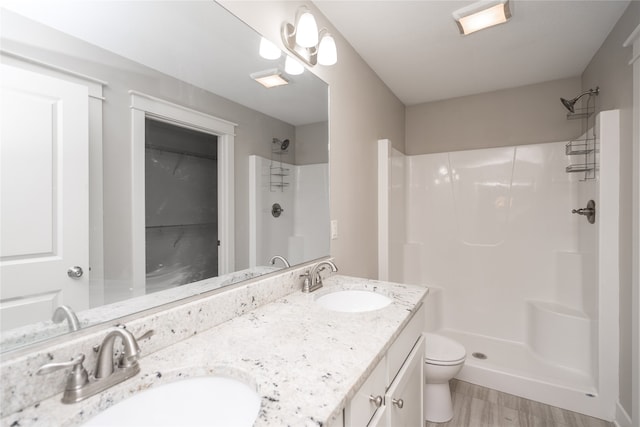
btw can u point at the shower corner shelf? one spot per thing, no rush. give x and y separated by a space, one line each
579 115
277 172
581 146
580 168
587 145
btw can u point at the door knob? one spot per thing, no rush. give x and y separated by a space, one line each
75 272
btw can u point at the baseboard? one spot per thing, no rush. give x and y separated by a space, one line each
622 418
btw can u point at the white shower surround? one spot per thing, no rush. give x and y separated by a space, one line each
513 273
295 234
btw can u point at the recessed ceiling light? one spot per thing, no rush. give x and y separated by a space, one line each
270 78
481 15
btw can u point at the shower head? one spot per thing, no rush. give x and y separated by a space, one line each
569 104
283 144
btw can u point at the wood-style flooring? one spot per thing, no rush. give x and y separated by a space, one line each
476 406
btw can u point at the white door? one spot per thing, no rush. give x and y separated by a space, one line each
44 196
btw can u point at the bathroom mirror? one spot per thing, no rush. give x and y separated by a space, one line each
195 175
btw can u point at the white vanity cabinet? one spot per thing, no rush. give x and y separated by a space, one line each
392 395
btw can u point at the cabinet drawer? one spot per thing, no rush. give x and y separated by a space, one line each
361 409
402 346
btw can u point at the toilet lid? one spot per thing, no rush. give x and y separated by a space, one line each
442 349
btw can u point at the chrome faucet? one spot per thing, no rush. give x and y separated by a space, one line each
281 258
64 312
313 281
109 370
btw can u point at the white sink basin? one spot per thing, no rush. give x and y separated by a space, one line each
353 301
210 401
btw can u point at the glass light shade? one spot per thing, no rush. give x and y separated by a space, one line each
306 30
327 52
292 66
269 50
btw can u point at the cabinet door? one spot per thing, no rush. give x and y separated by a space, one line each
403 400
363 406
380 419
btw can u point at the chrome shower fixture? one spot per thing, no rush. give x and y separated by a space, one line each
283 144
570 103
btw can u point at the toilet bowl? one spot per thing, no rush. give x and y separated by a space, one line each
444 358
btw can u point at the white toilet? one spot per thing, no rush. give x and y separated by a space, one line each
444 358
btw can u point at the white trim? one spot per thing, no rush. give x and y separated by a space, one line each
95 85
143 106
633 37
384 179
622 419
174 113
608 125
634 40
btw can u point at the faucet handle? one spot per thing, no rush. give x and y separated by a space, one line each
77 378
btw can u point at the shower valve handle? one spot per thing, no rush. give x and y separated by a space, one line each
583 211
589 211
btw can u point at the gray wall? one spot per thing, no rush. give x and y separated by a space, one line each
522 115
610 70
253 133
362 110
311 143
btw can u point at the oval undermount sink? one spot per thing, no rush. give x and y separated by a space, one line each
210 401
351 301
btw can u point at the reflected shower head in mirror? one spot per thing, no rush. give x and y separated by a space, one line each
569 104
283 144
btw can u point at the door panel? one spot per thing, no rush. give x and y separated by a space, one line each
44 219
407 388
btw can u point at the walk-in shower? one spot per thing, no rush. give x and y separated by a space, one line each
514 276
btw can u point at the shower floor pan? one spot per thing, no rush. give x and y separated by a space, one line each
512 368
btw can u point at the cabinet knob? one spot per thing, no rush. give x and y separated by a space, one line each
398 402
377 400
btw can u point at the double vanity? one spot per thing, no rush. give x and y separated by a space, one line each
263 353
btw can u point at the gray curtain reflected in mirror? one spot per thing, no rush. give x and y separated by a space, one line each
181 206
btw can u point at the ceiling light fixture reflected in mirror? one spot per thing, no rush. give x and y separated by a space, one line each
306 43
482 14
270 78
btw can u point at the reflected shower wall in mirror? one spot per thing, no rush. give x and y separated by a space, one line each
198 68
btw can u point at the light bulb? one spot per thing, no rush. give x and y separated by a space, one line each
306 30
269 50
293 67
327 52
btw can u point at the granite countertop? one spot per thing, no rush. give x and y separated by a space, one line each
304 361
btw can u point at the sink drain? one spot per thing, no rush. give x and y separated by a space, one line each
479 355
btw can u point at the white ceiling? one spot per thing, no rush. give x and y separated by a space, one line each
416 49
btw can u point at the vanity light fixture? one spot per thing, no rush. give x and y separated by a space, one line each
268 50
292 66
270 78
305 42
482 14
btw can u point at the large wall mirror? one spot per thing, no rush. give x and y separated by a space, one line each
143 163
